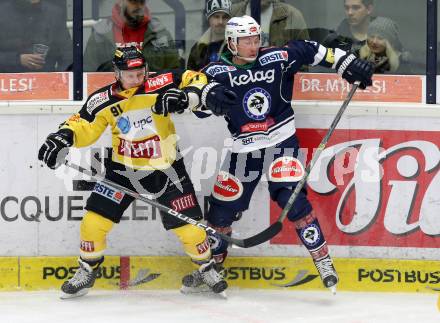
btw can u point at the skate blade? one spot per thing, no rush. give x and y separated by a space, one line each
82 292
202 290
333 289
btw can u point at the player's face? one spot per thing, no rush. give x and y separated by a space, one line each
377 44
248 46
217 22
132 78
356 11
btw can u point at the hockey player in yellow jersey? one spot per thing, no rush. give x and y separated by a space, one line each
136 107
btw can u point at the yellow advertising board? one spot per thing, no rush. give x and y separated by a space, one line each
378 275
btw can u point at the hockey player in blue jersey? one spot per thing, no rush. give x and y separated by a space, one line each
251 86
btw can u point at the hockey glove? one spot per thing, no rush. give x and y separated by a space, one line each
171 101
55 148
354 69
218 98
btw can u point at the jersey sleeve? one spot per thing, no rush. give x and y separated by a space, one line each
90 122
305 52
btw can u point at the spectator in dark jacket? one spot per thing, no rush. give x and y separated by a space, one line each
33 37
354 26
212 42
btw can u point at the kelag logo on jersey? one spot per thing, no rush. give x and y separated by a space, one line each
252 77
218 69
256 103
280 55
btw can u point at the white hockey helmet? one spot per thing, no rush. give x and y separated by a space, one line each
238 27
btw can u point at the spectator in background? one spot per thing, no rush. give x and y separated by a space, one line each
212 42
130 24
384 49
355 25
33 37
280 22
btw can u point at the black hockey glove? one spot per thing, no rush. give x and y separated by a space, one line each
55 148
171 101
354 69
218 98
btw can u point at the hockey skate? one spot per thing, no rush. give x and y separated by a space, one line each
81 282
206 279
327 272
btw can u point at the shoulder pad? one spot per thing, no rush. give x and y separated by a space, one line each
275 55
214 68
97 100
159 81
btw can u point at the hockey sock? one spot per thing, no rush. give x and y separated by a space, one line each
93 232
310 233
219 247
195 242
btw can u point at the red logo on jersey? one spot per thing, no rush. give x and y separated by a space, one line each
183 203
258 126
147 148
155 83
286 169
227 187
134 62
203 247
87 246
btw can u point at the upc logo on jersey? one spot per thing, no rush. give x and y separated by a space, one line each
107 192
286 169
227 187
155 83
252 77
256 103
123 123
218 69
96 100
280 55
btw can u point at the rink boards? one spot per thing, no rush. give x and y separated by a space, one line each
379 275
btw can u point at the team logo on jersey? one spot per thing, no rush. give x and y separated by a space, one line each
311 235
218 69
286 169
256 103
252 77
155 83
227 187
107 192
96 100
124 125
279 55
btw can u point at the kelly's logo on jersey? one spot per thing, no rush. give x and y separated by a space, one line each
280 55
158 82
218 69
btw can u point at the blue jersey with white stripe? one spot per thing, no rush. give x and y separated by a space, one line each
264 88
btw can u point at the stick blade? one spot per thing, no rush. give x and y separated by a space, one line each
259 238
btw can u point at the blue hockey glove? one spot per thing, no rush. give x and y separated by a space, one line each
171 101
354 69
55 148
218 98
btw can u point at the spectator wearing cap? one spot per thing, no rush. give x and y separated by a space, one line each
280 22
384 49
212 42
130 25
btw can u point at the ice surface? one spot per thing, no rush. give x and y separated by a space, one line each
248 306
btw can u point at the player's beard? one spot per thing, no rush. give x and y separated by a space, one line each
135 19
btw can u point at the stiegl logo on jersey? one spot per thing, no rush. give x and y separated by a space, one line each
252 77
